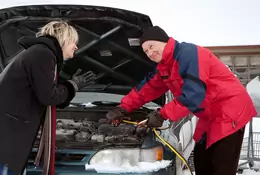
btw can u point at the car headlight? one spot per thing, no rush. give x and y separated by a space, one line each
131 156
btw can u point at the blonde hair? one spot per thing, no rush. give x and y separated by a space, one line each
61 30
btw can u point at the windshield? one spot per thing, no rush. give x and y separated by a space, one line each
89 97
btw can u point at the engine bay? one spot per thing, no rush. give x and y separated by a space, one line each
94 131
83 131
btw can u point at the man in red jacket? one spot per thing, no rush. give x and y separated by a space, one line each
202 85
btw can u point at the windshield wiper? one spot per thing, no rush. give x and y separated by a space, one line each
105 103
106 87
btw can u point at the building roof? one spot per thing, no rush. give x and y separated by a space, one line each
235 50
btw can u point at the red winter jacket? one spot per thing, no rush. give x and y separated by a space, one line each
202 85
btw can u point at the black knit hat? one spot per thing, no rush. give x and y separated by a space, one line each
154 33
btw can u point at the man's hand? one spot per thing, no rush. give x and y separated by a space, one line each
83 80
155 120
115 116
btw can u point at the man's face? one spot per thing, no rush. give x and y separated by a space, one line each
154 50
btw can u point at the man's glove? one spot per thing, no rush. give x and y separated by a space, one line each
83 80
115 116
155 119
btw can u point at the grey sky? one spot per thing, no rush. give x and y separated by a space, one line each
204 22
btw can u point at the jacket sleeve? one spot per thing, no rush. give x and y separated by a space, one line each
41 70
150 88
194 73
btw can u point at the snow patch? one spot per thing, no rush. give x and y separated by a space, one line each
89 104
141 167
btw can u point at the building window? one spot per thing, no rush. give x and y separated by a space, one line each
245 67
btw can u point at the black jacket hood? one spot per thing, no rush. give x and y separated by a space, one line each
49 41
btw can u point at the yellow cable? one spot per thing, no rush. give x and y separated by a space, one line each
173 150
130 122
167 144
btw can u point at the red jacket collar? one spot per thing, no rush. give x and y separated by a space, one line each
167 57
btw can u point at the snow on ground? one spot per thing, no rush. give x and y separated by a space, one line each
245 172
126 167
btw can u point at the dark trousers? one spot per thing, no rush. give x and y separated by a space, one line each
221 158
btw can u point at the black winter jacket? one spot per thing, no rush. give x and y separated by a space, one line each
27 86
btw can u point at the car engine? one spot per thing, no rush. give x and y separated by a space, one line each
69 130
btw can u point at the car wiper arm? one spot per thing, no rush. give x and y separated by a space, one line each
107 103
106 87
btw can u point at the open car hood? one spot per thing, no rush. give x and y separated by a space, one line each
109 42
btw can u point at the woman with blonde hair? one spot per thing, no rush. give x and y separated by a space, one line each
29 84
